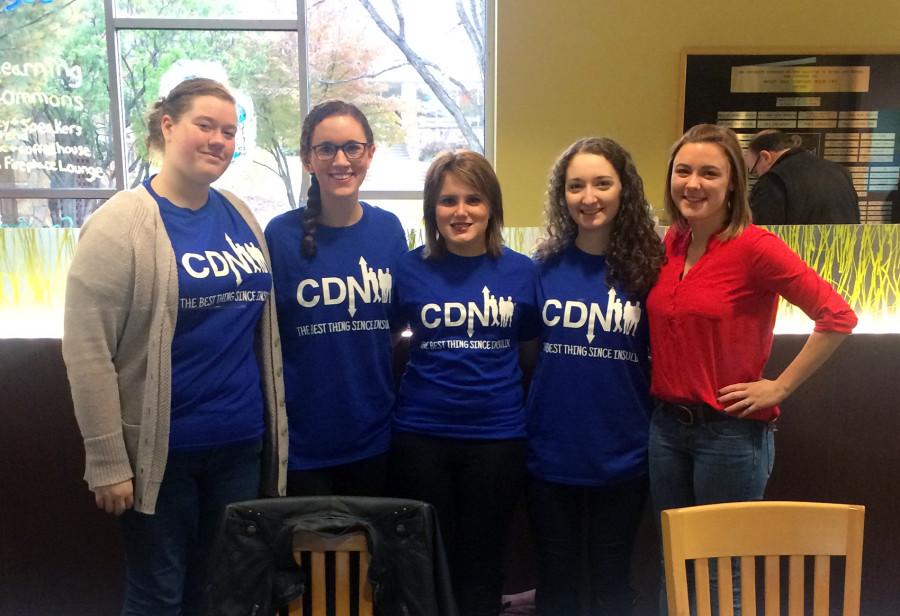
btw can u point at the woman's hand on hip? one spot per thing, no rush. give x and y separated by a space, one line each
741 399
116 497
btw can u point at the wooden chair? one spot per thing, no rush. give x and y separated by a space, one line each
341 546
768 529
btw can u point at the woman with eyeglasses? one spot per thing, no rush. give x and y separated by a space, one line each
333 263
172 355
712 314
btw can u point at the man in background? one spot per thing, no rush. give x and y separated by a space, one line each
795 187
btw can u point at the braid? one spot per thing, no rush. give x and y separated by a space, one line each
313 213
311 217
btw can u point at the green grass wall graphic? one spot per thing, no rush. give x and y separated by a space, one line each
862 262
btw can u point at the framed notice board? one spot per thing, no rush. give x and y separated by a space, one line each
842 106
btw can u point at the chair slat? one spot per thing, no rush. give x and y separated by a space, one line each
853 566
676 586
773 586
295 607
318 589
795 585
342 583
821 585
726 592
365 589
748 586
701 587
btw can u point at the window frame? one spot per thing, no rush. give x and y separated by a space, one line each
115 24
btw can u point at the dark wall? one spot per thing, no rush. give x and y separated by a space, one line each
837 441
60 555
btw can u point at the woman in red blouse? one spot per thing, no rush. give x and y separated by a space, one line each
711 315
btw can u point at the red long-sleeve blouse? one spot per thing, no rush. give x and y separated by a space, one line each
713 327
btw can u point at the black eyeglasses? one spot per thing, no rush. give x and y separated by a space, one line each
352 150
752 170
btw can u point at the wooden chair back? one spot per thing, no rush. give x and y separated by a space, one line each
771 530
342 546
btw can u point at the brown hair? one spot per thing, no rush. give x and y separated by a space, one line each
313 212
738 206
176 103
635 253
473 169
770 140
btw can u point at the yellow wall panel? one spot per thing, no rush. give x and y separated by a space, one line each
585 67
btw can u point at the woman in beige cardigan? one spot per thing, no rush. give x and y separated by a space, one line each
172 353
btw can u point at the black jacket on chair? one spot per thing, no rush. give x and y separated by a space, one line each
252 567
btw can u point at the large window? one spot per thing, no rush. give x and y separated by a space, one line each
77 75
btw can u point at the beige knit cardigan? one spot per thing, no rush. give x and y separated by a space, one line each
121 309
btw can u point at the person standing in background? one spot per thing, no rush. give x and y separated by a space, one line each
796 187
333 263
171 348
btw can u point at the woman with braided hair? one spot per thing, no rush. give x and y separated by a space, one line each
332 262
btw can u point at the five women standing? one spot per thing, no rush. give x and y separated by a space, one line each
176 377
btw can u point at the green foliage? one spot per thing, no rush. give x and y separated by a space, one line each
18 28
345 61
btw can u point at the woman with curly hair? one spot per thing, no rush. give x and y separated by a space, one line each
589 404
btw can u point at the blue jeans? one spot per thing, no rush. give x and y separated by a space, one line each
573 525
167 552
705 463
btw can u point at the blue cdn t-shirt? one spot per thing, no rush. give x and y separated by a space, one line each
334 316
589 402
223 283
467 316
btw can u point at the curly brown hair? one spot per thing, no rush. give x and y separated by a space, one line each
635 252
